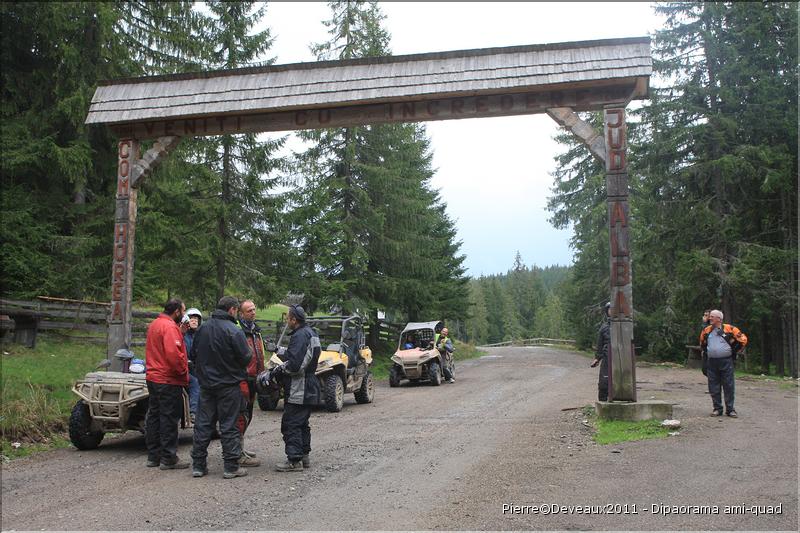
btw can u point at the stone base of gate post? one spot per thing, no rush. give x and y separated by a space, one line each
634 411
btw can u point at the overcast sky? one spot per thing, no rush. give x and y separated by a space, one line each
494 173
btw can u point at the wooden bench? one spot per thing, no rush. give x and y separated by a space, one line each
695 357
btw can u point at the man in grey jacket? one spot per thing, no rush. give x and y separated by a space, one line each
301 390
221 355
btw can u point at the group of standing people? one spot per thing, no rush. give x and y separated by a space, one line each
720 344
218 361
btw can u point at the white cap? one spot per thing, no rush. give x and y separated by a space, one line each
194 311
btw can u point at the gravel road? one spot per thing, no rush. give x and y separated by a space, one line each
449 457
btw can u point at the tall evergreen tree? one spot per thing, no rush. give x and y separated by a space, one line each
477 323
720 143
55 170
713 177
366 191
579 201
238 212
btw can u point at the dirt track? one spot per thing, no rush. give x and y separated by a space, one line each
448 457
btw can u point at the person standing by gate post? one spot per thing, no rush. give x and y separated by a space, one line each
720 344
167 375
301 390
220 355
601 356
247 317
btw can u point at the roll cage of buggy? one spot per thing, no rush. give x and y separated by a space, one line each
344 363
416 358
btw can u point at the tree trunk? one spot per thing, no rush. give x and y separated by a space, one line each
766 347
779 361
788 215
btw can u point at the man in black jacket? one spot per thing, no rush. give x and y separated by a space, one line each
221 356
601 356
301 390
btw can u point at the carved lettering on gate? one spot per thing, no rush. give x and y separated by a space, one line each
621 306
116 312
619 241
119 275
620 272
615 139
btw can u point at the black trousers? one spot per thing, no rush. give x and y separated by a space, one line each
602 381
296 431
720 375
164 410
223 405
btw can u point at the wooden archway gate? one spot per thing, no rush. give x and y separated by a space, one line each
557 79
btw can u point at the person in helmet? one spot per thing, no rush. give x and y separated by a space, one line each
601 356
195 319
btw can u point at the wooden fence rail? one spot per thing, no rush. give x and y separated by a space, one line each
536 341
87 321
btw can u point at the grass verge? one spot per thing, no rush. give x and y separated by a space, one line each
272 312
616 431
36 391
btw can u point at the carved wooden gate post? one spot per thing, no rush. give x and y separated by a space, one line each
130 170
622 369
119 320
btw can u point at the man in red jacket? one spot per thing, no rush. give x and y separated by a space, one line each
167 375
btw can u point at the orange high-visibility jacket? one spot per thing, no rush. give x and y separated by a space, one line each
735 338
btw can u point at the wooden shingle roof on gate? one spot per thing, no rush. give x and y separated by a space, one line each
372 80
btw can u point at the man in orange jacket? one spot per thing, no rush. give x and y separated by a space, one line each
720 344
167 375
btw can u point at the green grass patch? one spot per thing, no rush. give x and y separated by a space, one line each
10 450
36 389
272 312
614 431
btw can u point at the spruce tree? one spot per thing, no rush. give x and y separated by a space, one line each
55 170
365 210
241 207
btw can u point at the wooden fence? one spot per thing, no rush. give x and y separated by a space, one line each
87 321
536 341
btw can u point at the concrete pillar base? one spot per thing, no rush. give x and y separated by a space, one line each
634 411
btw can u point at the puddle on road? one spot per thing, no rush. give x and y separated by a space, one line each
491 357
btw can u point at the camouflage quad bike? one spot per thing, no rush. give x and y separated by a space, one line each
112 402
344 363
416 358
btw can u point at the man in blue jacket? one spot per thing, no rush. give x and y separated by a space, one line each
301 390
221 355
